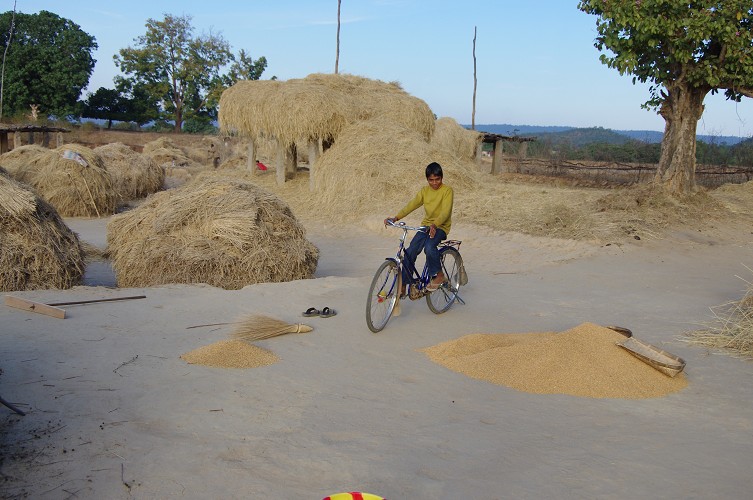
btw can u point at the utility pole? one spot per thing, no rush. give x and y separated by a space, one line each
473 115
337 57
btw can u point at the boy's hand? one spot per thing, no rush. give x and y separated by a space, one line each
389 220
432 230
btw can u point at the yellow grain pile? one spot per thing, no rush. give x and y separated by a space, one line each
224 232
37 249
73 179
317 107
583 361
230 354
133 175
23 163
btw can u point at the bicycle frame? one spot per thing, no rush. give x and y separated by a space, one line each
420 280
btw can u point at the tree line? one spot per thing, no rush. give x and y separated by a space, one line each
171 77
635 151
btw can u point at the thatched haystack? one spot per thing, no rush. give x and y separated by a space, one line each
73 179
224 232
23 163
133 175
319 106
37 249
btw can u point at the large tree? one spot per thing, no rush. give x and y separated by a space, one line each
48 63
685 50
182 71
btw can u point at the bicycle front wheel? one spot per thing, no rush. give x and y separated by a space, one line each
442 298
383 294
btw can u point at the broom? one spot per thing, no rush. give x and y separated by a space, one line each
258 327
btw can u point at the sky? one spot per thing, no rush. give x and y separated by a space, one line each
535 61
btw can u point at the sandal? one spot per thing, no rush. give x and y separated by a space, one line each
327 312
311 311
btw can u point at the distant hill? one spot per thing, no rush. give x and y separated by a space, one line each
581 136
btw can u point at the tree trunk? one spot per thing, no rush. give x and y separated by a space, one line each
681 110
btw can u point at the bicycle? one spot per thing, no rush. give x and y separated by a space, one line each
384 292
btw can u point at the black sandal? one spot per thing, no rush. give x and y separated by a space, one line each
327 312
311 311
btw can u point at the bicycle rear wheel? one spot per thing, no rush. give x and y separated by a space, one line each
442 298
383 294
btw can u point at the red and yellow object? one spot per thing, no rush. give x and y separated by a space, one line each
353 495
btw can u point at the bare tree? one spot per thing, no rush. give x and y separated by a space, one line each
337 57
473 114
2 74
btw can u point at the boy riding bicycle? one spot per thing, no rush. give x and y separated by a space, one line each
437 199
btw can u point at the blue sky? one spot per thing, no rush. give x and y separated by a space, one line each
536 63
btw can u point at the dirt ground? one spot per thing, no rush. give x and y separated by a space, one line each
113 412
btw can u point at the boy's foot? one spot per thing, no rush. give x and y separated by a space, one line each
436 282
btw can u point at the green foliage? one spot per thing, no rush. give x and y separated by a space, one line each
105 104
48 63
705 45
181 71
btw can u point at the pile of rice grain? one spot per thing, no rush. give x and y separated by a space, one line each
230 354
583 361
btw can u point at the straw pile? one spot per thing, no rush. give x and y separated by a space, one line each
224 232
166 154
23 163
230 354
37 250
73 179
317 107
732 330
133 175
583 361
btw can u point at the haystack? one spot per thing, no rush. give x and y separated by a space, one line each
319 106
224 232
452 139
133 175
73 179
37 250
166 154
379 165
23 162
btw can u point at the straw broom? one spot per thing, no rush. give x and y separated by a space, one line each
259 327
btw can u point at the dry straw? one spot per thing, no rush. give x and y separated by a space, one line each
73 179
23 163
222 231
583 361
732 330
133 175
37 249
318 107
260 327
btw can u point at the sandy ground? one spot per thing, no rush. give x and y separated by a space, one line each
113 412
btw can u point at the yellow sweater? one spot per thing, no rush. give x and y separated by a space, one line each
437 204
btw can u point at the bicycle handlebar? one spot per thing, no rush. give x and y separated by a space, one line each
402 225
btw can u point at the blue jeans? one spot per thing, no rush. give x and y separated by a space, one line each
421 241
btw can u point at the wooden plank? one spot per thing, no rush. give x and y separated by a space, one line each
79 302
36 307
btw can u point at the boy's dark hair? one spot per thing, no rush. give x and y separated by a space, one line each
434 168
